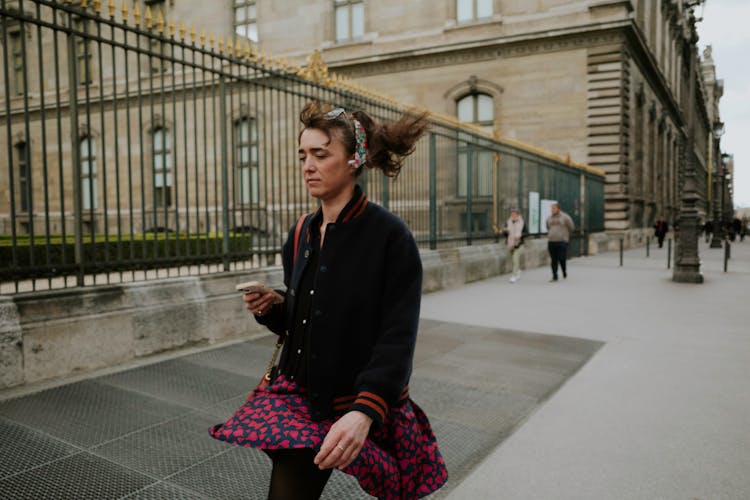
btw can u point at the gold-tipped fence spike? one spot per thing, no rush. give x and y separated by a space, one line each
124 11
182 30
137 14
230 47
97 6
148 17
193 35
247 51
211 40
203 37
111 7
221 46
84 4
160 22
171 27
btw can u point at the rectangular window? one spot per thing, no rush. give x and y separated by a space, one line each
158 47
83 52
16 55
484 9
24 178
89 193
473 10
350 19
246 154
246 19
481 173
162 168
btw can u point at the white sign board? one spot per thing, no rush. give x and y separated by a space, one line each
533 222
546 212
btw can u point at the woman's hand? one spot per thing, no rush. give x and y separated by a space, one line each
257 303
344 441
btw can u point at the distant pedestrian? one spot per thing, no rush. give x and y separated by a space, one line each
743 230
559 227
708 229
736 229
514 233
660 230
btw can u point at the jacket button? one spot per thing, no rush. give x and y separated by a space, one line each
323 269
307 253
318 312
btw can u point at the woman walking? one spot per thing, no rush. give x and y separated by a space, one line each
349 321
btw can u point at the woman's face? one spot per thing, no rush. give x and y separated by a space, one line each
325 165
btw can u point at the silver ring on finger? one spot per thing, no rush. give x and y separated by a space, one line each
340 447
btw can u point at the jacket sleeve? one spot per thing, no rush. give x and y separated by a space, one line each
275 319
381 383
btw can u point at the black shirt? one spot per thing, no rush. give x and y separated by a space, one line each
295 365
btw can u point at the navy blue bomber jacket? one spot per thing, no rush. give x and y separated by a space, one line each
365 310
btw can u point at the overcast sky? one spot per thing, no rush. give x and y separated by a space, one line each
725 28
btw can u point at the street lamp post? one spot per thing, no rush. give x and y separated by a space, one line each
687 262
716 233
728 207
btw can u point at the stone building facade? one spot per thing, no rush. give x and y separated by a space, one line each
603 82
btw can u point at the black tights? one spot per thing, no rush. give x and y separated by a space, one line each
295 477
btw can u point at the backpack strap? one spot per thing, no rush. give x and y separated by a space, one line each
297 231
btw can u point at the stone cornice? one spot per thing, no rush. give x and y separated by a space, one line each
482 50
627 4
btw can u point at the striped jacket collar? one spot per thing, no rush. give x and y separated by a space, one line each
351 211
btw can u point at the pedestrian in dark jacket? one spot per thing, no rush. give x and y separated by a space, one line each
349 321
661 228
559 227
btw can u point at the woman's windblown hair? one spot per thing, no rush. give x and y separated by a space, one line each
388 143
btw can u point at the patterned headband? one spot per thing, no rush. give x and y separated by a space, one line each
360 135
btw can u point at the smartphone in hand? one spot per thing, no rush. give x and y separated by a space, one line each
258 287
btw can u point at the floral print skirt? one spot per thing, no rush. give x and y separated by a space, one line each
400 460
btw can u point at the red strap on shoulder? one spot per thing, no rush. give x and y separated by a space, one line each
297 231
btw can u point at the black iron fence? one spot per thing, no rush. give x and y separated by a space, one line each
139 149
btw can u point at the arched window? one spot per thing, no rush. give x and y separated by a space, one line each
479 110
162 167
246 154
89 191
